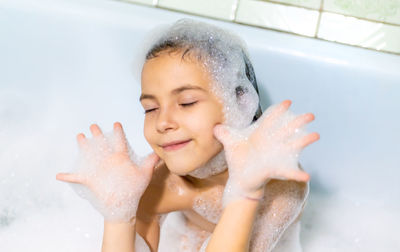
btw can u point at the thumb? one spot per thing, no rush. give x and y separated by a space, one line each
149 163
70 177
223 133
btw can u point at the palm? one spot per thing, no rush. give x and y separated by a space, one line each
268 148
109 170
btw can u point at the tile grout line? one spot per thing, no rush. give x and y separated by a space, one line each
235 10
286 4
321 6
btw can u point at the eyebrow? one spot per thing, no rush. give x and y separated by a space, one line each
175 91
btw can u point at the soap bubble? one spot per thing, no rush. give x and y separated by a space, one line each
116 191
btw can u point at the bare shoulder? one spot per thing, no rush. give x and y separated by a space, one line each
166 193
285 194
282 205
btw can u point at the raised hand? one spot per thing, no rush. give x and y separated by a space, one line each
267 149
109 175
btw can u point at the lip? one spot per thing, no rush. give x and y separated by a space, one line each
175 145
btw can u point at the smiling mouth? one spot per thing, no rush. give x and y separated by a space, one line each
177 146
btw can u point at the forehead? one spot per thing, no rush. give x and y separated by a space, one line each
169 71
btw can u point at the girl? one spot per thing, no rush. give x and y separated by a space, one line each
227 176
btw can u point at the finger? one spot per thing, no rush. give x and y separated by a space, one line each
118 129
70 177
274 113
290 174
306 140
96 131
82 141
120 143
299 122
223 134
149 163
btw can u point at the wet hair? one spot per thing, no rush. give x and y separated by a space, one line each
218 50
251 76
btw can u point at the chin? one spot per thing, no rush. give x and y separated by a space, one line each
179 167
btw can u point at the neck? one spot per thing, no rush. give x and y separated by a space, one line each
218 179
215 171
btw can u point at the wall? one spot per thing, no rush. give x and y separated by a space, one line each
372 24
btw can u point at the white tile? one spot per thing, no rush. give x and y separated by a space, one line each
146 2
277 16
379 10
222 9
313 4
353 31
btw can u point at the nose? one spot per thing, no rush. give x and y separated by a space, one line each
166 121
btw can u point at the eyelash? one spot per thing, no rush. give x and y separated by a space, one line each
183 104
188 104
149 110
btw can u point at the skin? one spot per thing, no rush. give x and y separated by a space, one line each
179 105
170 117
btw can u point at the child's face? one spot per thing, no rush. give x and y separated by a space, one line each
180 106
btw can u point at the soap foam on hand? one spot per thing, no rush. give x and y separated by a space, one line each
112 182
265 150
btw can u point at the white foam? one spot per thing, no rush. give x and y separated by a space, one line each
214 166
209 204
177 235
272 151
117 189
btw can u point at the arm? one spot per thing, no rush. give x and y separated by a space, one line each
128 236
113 183
159 199
155 200
281 207
119 236
233 230
264 151
250 225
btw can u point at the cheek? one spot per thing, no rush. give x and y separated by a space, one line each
148 132
203 124
150 137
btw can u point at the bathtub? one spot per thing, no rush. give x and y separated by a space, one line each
67 64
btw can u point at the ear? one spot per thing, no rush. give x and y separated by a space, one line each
248 102
241 93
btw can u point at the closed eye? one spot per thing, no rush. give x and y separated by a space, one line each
149 110
188 104
182 104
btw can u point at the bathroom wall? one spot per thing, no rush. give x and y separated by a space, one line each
372 24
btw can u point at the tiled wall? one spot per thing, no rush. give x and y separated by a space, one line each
373 24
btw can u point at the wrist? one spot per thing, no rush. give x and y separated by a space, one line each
234 192
130 222
256 195
119 235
